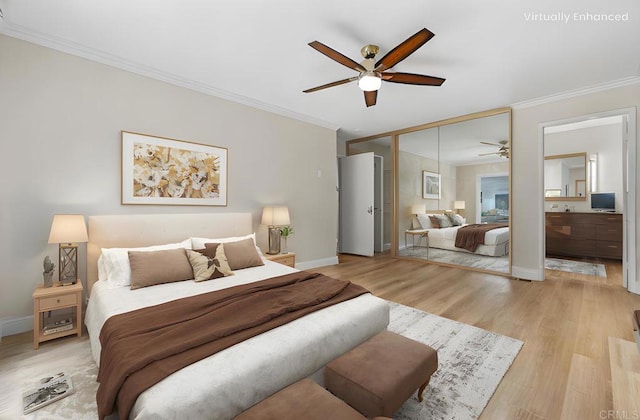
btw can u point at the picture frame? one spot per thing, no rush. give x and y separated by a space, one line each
164 171
431 188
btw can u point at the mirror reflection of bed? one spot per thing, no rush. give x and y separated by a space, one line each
438 242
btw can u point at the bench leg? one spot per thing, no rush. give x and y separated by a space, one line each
422 387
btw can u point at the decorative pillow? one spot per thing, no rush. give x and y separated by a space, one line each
116 261
443 220
209 263
455 219
240 254
149 268
424 222
435 222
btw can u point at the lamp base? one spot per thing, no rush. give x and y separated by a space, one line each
274 240
68 263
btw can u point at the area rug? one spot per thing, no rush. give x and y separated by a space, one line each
580 267
483 262
472 363
500 264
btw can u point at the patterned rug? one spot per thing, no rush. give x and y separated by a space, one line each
500 264
472 363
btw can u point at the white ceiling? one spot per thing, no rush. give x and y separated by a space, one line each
491 52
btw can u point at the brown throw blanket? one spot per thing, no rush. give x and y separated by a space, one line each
142 347
470 236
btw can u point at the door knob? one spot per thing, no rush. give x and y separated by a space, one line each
370 210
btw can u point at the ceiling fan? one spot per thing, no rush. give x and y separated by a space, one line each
503 148
372 72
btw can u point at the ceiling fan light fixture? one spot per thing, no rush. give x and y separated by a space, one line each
370 81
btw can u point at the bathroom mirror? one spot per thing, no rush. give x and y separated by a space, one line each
565 177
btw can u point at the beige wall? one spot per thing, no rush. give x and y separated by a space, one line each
61 118
410 188
527 156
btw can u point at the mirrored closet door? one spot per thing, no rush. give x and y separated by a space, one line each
453 189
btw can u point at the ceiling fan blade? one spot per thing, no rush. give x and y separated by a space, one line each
332 84
404 50
488 143
487 154
413 79
336 56
370 97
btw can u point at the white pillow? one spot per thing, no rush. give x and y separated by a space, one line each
198 243
116 261
102 268
424 221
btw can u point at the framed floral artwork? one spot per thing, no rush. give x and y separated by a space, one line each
430 185
159 170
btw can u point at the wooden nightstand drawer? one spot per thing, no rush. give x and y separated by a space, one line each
286 259
56 302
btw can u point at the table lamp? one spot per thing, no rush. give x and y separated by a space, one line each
67 230
418 209
458 205
275 217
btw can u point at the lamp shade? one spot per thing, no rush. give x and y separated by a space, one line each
68 228
418 209
458 205
276 216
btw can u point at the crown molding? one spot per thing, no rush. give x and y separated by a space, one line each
577 92
17 31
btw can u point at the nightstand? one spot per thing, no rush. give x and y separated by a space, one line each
420 233
49 299
287 259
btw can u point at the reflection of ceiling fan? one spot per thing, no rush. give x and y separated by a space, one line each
372 72
503 148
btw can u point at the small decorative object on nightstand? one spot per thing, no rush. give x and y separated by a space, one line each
52 299
286 259
47 274
285 232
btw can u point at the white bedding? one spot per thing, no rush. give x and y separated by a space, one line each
496 241
492 237
226 383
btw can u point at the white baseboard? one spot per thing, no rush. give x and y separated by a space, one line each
527 273
307 265
11 326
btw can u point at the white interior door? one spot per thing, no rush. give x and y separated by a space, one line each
356 204
378 206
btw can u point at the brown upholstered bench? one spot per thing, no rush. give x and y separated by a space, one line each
379 375
303 400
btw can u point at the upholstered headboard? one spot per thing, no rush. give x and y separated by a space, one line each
134 230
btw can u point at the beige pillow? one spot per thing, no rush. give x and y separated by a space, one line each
157 267
209 263
240 254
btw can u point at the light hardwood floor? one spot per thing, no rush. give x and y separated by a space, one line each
563 370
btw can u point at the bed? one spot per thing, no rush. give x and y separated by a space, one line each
230 381
496 241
